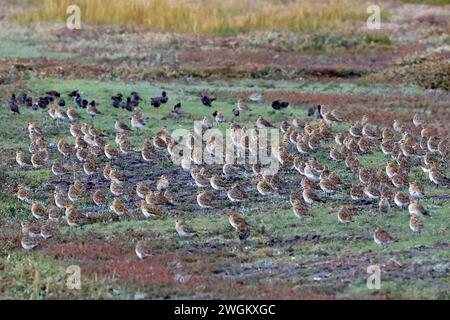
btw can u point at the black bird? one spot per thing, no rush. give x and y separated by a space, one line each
73 94
129 105
236 112
43 102
116 100
22 98
84 103
29 102
12 104
278 105
61 102
164 98
156 102
207 101
136 97
53 93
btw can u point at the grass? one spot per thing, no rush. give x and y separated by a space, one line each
208 17
288 261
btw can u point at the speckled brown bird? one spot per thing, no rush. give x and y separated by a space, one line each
118 207
150 211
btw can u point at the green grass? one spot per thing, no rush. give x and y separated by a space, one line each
287 261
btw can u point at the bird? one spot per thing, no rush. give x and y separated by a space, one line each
372 191
150 211
157 198
118 207
243 232
148 152
383 204
236 220
29 243
382 237
60 199
142 190
218 117
416 190
155 102
162 183
137 121
22 193
278 105
207 101
106 171
73 217
74 193
311 197
264 187
205 199
261 123
184 230
217 183
328 186
299 208
143 250
417 209
296 196
22 160
164 97
356 192
110 151
54 214
99 197
255 97
64 147
116 189
13 104
177 110
92 110
90 166
38 160
235 194
415 224
401 200
58 168
31 230
72 114
38 211
437 177
344 215
121 127
46 231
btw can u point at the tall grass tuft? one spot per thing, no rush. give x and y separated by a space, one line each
207 17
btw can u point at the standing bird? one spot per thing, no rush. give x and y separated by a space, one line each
143 250
13 105
177 110
164 98
344 216
382 238
278 105
184 230
92 110
207 101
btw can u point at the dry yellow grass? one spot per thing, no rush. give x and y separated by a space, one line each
209 17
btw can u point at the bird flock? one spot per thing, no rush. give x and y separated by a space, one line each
95 156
